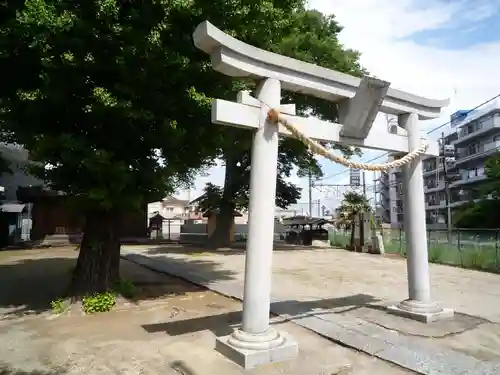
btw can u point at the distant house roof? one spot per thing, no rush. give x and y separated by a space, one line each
173 200
157 217
217 212
12 207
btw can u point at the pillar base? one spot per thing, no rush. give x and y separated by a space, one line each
425 312
249 350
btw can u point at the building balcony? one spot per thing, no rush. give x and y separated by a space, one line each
483 151
468 180
467 197
450 165
435 205
488 125
434 188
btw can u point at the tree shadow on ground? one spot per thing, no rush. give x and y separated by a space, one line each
5 369
237 248
224 324
31 282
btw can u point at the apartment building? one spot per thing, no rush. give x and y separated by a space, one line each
434 182
389 206
474 138
478 137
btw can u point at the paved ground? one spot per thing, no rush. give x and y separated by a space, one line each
168 329
355 287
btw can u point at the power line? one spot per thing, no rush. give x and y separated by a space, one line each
347 170
429 132
465 114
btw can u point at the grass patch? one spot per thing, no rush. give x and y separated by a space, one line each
59 305
125 288
99 302
478 256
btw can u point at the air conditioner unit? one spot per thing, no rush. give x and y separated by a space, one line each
449 150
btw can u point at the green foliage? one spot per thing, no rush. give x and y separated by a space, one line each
309 36
484 213
59 305
492 171
352 204
125 288
114 97
99 302
434 254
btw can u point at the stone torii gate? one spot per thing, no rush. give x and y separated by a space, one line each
358 101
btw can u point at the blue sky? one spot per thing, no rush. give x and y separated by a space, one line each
474 24
434 48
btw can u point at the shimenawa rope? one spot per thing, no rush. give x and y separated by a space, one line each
275 116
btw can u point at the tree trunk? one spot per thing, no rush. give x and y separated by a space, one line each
221 236
98 265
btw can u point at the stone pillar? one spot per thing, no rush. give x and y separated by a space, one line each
256 342
419 305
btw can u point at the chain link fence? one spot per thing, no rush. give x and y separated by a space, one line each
467 248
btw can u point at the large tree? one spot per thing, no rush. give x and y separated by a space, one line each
112 99
350 214
312 37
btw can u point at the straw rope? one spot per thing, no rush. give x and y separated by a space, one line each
274 116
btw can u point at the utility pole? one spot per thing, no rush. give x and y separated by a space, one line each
310 193
446 189
362 215
319 208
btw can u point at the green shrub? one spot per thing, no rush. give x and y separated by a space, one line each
434 254
99 302
59 306
480 259
126 288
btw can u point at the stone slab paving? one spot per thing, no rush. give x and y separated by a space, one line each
301 279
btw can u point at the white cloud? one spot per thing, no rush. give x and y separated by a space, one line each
381 31
375 28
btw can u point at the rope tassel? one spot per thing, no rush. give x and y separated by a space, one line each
274 116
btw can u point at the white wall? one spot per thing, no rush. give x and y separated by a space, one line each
172 228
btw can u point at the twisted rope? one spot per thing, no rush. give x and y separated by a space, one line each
274 116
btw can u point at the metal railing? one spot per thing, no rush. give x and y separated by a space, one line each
468 248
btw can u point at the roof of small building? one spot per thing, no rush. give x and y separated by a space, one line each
216 211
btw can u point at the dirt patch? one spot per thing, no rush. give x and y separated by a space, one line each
169 329
32 279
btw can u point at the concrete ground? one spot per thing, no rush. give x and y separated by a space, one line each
358 286
169 328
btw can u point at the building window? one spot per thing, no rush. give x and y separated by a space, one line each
169 209
473 149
